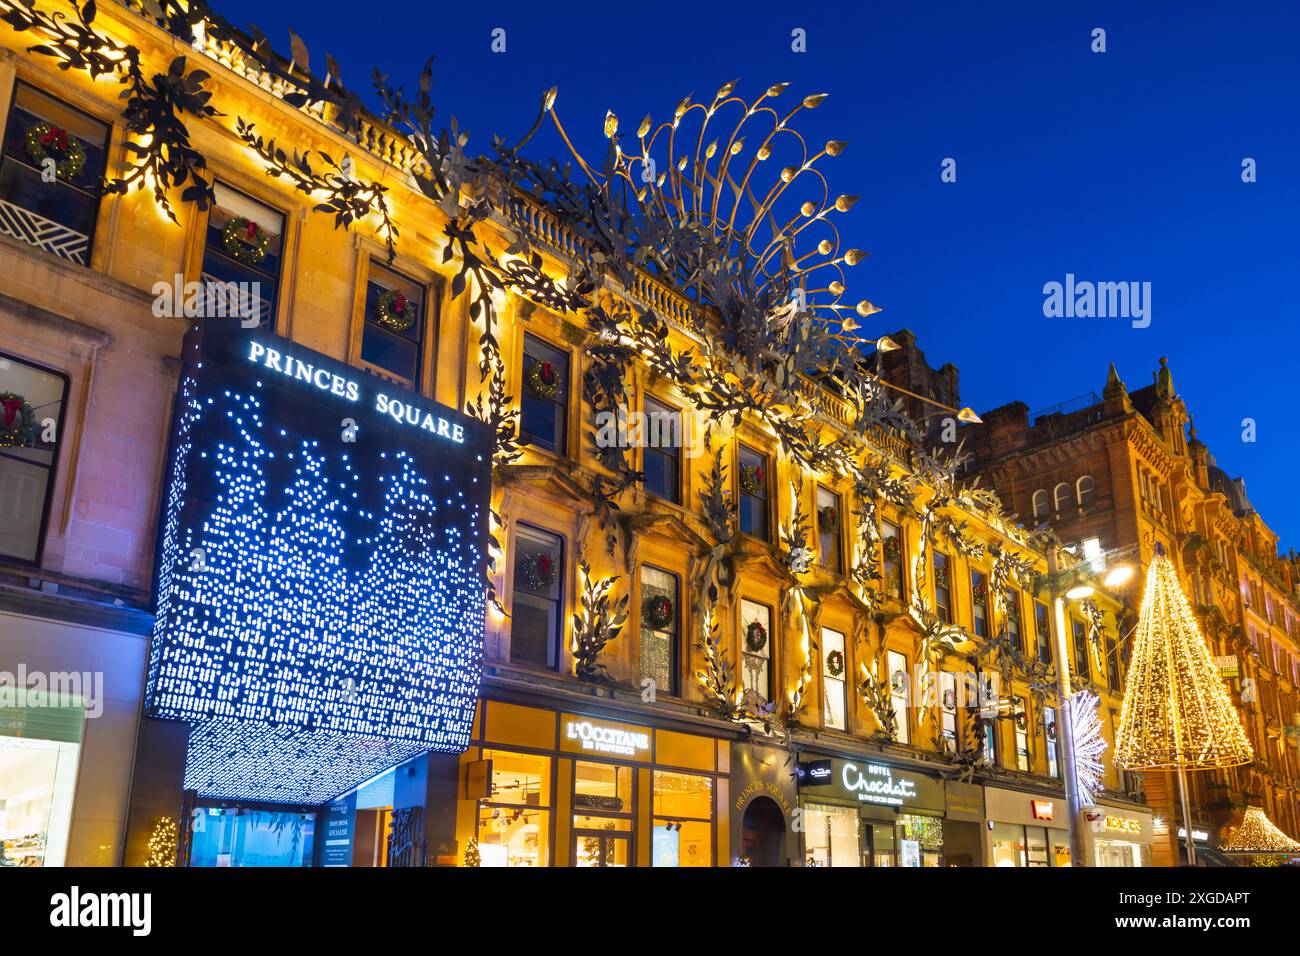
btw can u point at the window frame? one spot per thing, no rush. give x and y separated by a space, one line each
555 654
675 657
980 616
426 370
765 462
901 563
561 447
942 608
841 681
97 207
47 506
273 317
675 456
838 537
770 648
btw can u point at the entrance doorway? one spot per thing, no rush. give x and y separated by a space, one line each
763 833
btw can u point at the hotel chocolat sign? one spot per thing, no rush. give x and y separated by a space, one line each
882 784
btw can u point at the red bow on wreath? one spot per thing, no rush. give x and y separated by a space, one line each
548 373
399 303
56 137
13 409
252 230
543 564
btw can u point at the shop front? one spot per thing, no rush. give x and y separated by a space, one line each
551 787
869 812
1118 835
70 687
1025 828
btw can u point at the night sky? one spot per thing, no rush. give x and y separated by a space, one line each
1122 166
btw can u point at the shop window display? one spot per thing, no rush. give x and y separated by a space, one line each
922 840
514 823
683 819
831 835
602 814
37 779
247 837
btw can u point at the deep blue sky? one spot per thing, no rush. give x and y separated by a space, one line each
1117 166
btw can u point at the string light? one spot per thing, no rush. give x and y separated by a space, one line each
1176 712
162 843
1257 834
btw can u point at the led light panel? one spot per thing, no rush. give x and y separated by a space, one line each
319 587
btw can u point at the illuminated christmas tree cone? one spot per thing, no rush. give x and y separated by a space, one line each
1258 835
1176 713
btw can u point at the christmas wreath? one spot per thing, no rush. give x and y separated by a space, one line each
751 479
47 141
898 680
941 576
835 663
17 420
539 571
981 595
828 519
755 637
245 241
659 611
893 551
543 380
395 311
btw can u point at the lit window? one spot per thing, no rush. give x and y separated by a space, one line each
756 649
392 338
241 258
1049 732
948 708
45 137
603 807
545 401
892 565
683 819
31 411
1021 719
662 463
536 623
1011 599
979 588
1043 632
1081 650
900 693
834 669
753 480
514 822
660 613
830 522
942 588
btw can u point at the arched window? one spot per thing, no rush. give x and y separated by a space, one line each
1062 495
1085 491
1040 503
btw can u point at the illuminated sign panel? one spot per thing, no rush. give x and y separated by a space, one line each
319 585
599 737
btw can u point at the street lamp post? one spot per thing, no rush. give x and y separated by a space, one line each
1065 720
